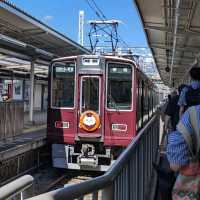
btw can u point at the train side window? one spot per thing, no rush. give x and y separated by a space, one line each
139 95
150 99
119 86
142 103
63 85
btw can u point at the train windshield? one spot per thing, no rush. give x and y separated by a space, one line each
119 86
90 94
63 84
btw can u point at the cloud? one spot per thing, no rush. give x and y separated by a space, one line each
47 18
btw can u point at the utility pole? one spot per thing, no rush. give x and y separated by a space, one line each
80 27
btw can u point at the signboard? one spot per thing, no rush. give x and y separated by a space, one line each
17 89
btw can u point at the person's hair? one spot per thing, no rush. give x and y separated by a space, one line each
181 87
169 96
195 73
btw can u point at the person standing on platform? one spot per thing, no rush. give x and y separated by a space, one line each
163 107
172 111
183 153
190 95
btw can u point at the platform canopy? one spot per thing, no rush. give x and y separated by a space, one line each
25 37
172 28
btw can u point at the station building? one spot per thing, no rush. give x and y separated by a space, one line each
27 47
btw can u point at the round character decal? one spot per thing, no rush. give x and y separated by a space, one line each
89 121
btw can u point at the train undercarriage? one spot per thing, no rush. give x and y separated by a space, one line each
84 156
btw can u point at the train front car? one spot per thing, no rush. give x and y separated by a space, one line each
92 112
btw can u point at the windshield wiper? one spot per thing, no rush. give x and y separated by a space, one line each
113 103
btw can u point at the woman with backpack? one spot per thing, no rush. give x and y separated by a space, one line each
183 152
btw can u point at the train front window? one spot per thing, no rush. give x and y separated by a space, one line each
119 86
63 85
90 94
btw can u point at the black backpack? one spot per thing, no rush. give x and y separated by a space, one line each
192 97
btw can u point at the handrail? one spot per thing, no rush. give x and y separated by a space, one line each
95 184
15 187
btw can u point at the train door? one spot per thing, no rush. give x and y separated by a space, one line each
120 115
90 113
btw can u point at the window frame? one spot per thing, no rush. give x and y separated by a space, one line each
52 66
132 86
81 91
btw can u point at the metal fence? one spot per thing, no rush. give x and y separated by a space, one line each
127 179
11 119
16 189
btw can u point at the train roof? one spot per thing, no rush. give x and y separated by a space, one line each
118 58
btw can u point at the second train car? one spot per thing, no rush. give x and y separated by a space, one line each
96 106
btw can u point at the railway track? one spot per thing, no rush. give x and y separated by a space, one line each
48 178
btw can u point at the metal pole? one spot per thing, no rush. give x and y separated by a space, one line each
175 38
21 196
107 193
31 98
95 195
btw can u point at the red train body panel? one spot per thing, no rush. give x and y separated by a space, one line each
93 113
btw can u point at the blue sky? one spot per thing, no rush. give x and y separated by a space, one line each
62 15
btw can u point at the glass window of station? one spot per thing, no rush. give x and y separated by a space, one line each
119 86
63 85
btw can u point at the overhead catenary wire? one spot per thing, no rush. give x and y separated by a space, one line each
105 18
99 13
97 7
93 8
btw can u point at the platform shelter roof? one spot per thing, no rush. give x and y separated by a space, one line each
172 28
22 36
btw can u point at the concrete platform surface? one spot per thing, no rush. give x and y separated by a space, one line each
31 140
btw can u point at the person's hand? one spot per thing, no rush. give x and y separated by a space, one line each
175 167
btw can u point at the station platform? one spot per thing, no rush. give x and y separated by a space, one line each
39 118
33 136
31 139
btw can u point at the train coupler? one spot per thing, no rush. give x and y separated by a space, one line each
87 157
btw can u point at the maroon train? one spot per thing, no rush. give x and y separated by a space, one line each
96 104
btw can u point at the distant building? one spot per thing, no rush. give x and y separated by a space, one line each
18 89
